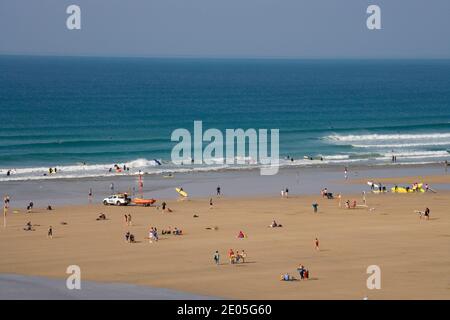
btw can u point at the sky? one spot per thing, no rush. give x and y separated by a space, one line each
227 28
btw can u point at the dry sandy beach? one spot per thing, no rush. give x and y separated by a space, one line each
413 253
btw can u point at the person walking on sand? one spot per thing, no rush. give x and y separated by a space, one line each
364 197
286 192
316 243
282 193
315 206
129 219
50 233
210 203
125 217
216 258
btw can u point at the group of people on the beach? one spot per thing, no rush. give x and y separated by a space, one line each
119 169
29 227
302 271
237 257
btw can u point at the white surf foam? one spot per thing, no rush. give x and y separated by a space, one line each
387 137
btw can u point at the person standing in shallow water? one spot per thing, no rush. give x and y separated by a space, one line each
218 191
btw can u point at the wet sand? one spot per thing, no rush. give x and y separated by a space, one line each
413 253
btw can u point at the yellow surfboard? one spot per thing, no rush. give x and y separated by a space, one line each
181 192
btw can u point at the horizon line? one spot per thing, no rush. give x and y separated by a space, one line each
232 57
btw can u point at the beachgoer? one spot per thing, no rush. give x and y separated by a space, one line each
28 226
101 217
316 243
301 271
315 207
286 192
238 256
50 232
90 195
218 190
241 235
243 256
129 219
286 277
282 193
216 257
6 201
210 203
231 256
427 213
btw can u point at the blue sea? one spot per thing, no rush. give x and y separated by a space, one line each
83 115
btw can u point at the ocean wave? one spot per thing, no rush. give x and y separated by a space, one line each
401 145
386 137
161 167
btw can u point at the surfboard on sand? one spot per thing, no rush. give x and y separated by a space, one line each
181 192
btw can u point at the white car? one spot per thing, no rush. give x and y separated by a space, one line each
117 200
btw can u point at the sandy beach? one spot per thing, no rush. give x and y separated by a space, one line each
411 252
